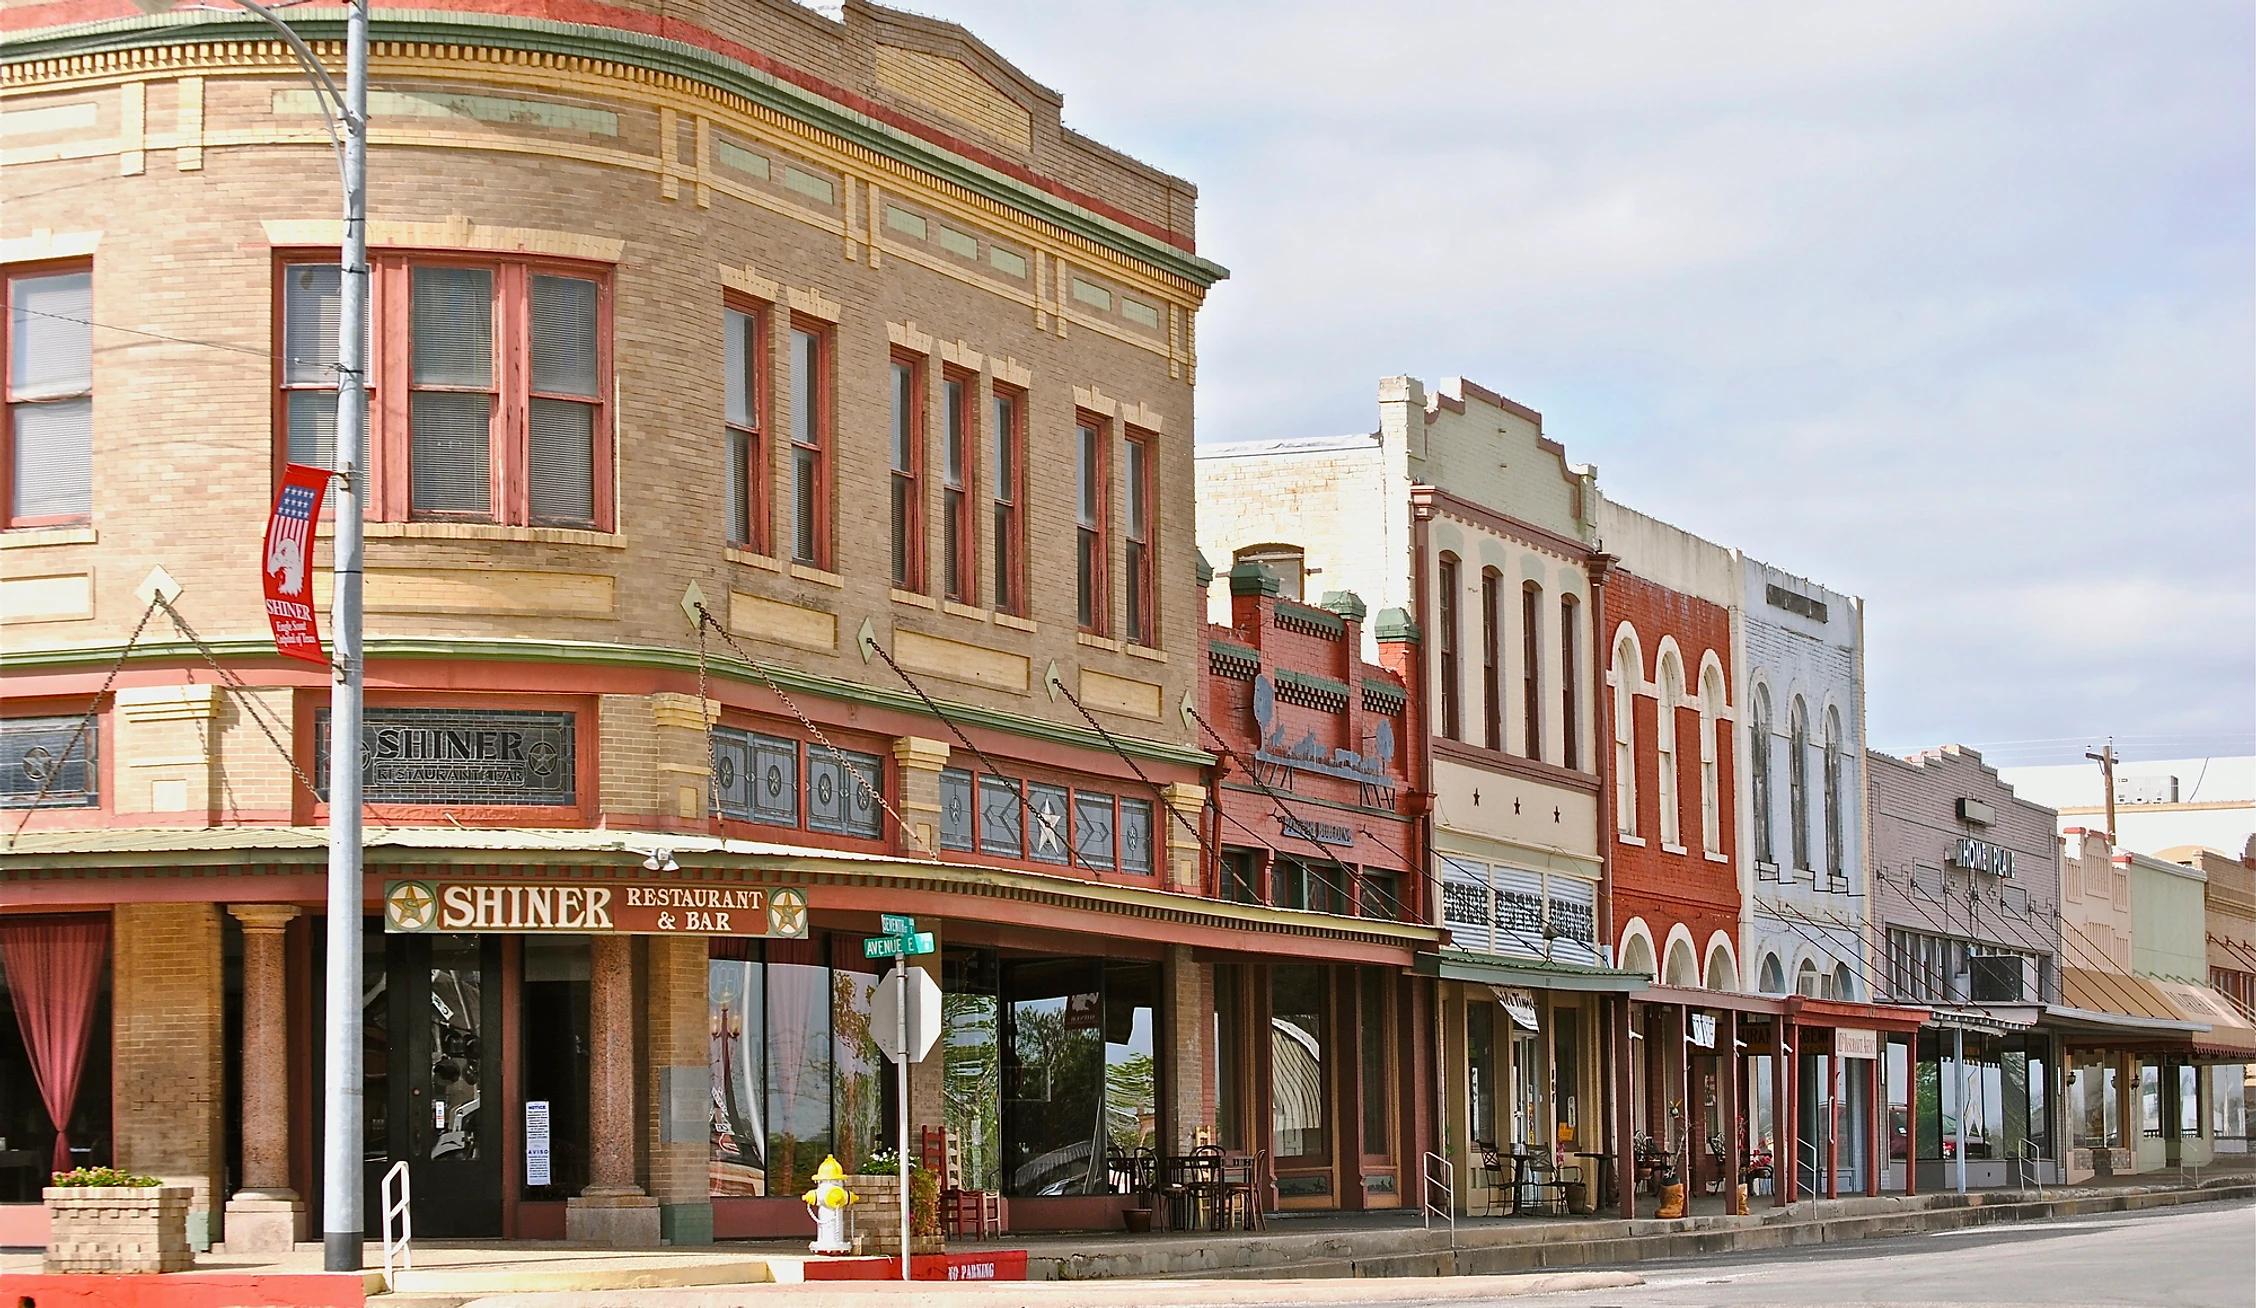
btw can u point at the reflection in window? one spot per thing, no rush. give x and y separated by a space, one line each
1298 1087
798 1059
736 992
972 1055
1053 1077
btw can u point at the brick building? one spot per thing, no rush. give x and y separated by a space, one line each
740 374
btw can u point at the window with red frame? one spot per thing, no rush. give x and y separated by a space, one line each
47 394
1007 484
1045 822
50 762
1092 553
1445 640
908 472
744 360
959 534
1142 595
490 394
811 443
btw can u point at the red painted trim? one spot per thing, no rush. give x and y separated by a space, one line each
44 268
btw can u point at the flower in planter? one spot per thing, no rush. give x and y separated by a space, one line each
98 1177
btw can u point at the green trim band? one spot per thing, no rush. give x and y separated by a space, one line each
626 656
1307 681
657 54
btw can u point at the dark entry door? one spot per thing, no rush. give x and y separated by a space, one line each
445 1083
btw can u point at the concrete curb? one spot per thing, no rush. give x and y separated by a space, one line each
1083 1294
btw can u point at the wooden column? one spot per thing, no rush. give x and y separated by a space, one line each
1727 1090
1786 1159
1686 1097
1911 1113
1832 1154
1625 1144
1877 1111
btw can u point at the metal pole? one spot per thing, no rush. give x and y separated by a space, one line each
901 1019
1958 1074
342 1071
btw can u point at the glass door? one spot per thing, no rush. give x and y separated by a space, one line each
444 1082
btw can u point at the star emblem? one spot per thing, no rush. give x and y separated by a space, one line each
1048 812
787 914
411 906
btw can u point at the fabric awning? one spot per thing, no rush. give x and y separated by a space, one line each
2119 1008
2230 1033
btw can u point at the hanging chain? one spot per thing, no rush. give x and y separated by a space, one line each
712 743
1292 819
705 618
86 722
1049 824
1156 789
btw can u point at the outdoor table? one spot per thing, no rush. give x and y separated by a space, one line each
1193 1185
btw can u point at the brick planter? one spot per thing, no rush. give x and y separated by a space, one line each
118 1229
877 1218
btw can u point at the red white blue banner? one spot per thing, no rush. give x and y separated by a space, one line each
288 571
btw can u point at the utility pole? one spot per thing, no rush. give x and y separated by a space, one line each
2106 760
342 1122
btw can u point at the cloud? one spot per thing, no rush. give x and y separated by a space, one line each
1949 305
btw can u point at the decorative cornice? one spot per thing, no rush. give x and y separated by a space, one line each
1473 756
992 180
659 658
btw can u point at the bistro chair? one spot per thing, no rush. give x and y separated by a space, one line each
1242 1192
974 1213
1492 1170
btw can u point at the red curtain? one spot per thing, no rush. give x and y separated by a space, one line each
54 968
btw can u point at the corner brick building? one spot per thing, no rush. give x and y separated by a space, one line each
780 496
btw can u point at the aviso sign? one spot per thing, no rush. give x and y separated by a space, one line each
618 908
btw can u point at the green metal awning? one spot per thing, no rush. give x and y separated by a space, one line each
1534 973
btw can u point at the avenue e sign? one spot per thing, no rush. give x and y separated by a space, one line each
532 907
916 942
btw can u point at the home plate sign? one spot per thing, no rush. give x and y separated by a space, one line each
533 907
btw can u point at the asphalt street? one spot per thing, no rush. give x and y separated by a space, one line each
2203 1256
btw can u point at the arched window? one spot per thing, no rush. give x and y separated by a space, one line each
1445 639
1807 982
1531 673
1844 985
1797 782
1758 759
1570 685
1492 659
1664 746
1628 671
1711 797
1721 975
1289 562
1637 956
1773 981
1833 796
1683 968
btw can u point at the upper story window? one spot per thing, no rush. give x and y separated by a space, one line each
907 447
1664 746
1092 547
1006 483
1711 798
1142 592
959 534
1758 769
1797 781
1446 638
1288 562
1570 682
744 359
811 444
490 395
1531 671
1629 668
49 762
1492 658
1835 864
47 429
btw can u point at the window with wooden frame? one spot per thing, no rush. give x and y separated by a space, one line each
1446 640
1570 684
1092 552
1492 659
907 446
744 421
1531 670
959 534
811 443
47 397
1142 592
1006 483
490 395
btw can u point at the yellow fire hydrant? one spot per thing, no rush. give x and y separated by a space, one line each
828 1201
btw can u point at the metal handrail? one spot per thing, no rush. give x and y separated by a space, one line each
2032 1165
1816 1151
1446 1182
397 1208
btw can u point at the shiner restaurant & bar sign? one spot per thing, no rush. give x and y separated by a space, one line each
584 908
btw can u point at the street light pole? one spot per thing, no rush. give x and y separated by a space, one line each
342 1073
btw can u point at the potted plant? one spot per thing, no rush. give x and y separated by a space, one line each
877 1218
103 1220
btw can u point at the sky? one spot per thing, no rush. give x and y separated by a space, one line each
1949 306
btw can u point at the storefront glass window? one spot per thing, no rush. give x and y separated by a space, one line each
557 985
2093 1113
971 1018
736 995
2189 1101
1898 1088
2150 1100
1373 1028
2038 1120
2228 1103
1298 1084
1131 1080
798 1058
1480 1058
1566 1081
1053 1077
457 1048
859 1083
1229 1059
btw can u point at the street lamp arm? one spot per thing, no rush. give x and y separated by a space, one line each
335 107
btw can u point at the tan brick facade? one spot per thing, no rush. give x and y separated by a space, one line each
166 1098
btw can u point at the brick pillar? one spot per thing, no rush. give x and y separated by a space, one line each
167 1036
1188 992
1187 800
920 762
165 742
685 756
678 1084
613 1209
266 1215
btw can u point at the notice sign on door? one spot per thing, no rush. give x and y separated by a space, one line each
1852 1042
580 908
536 1142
